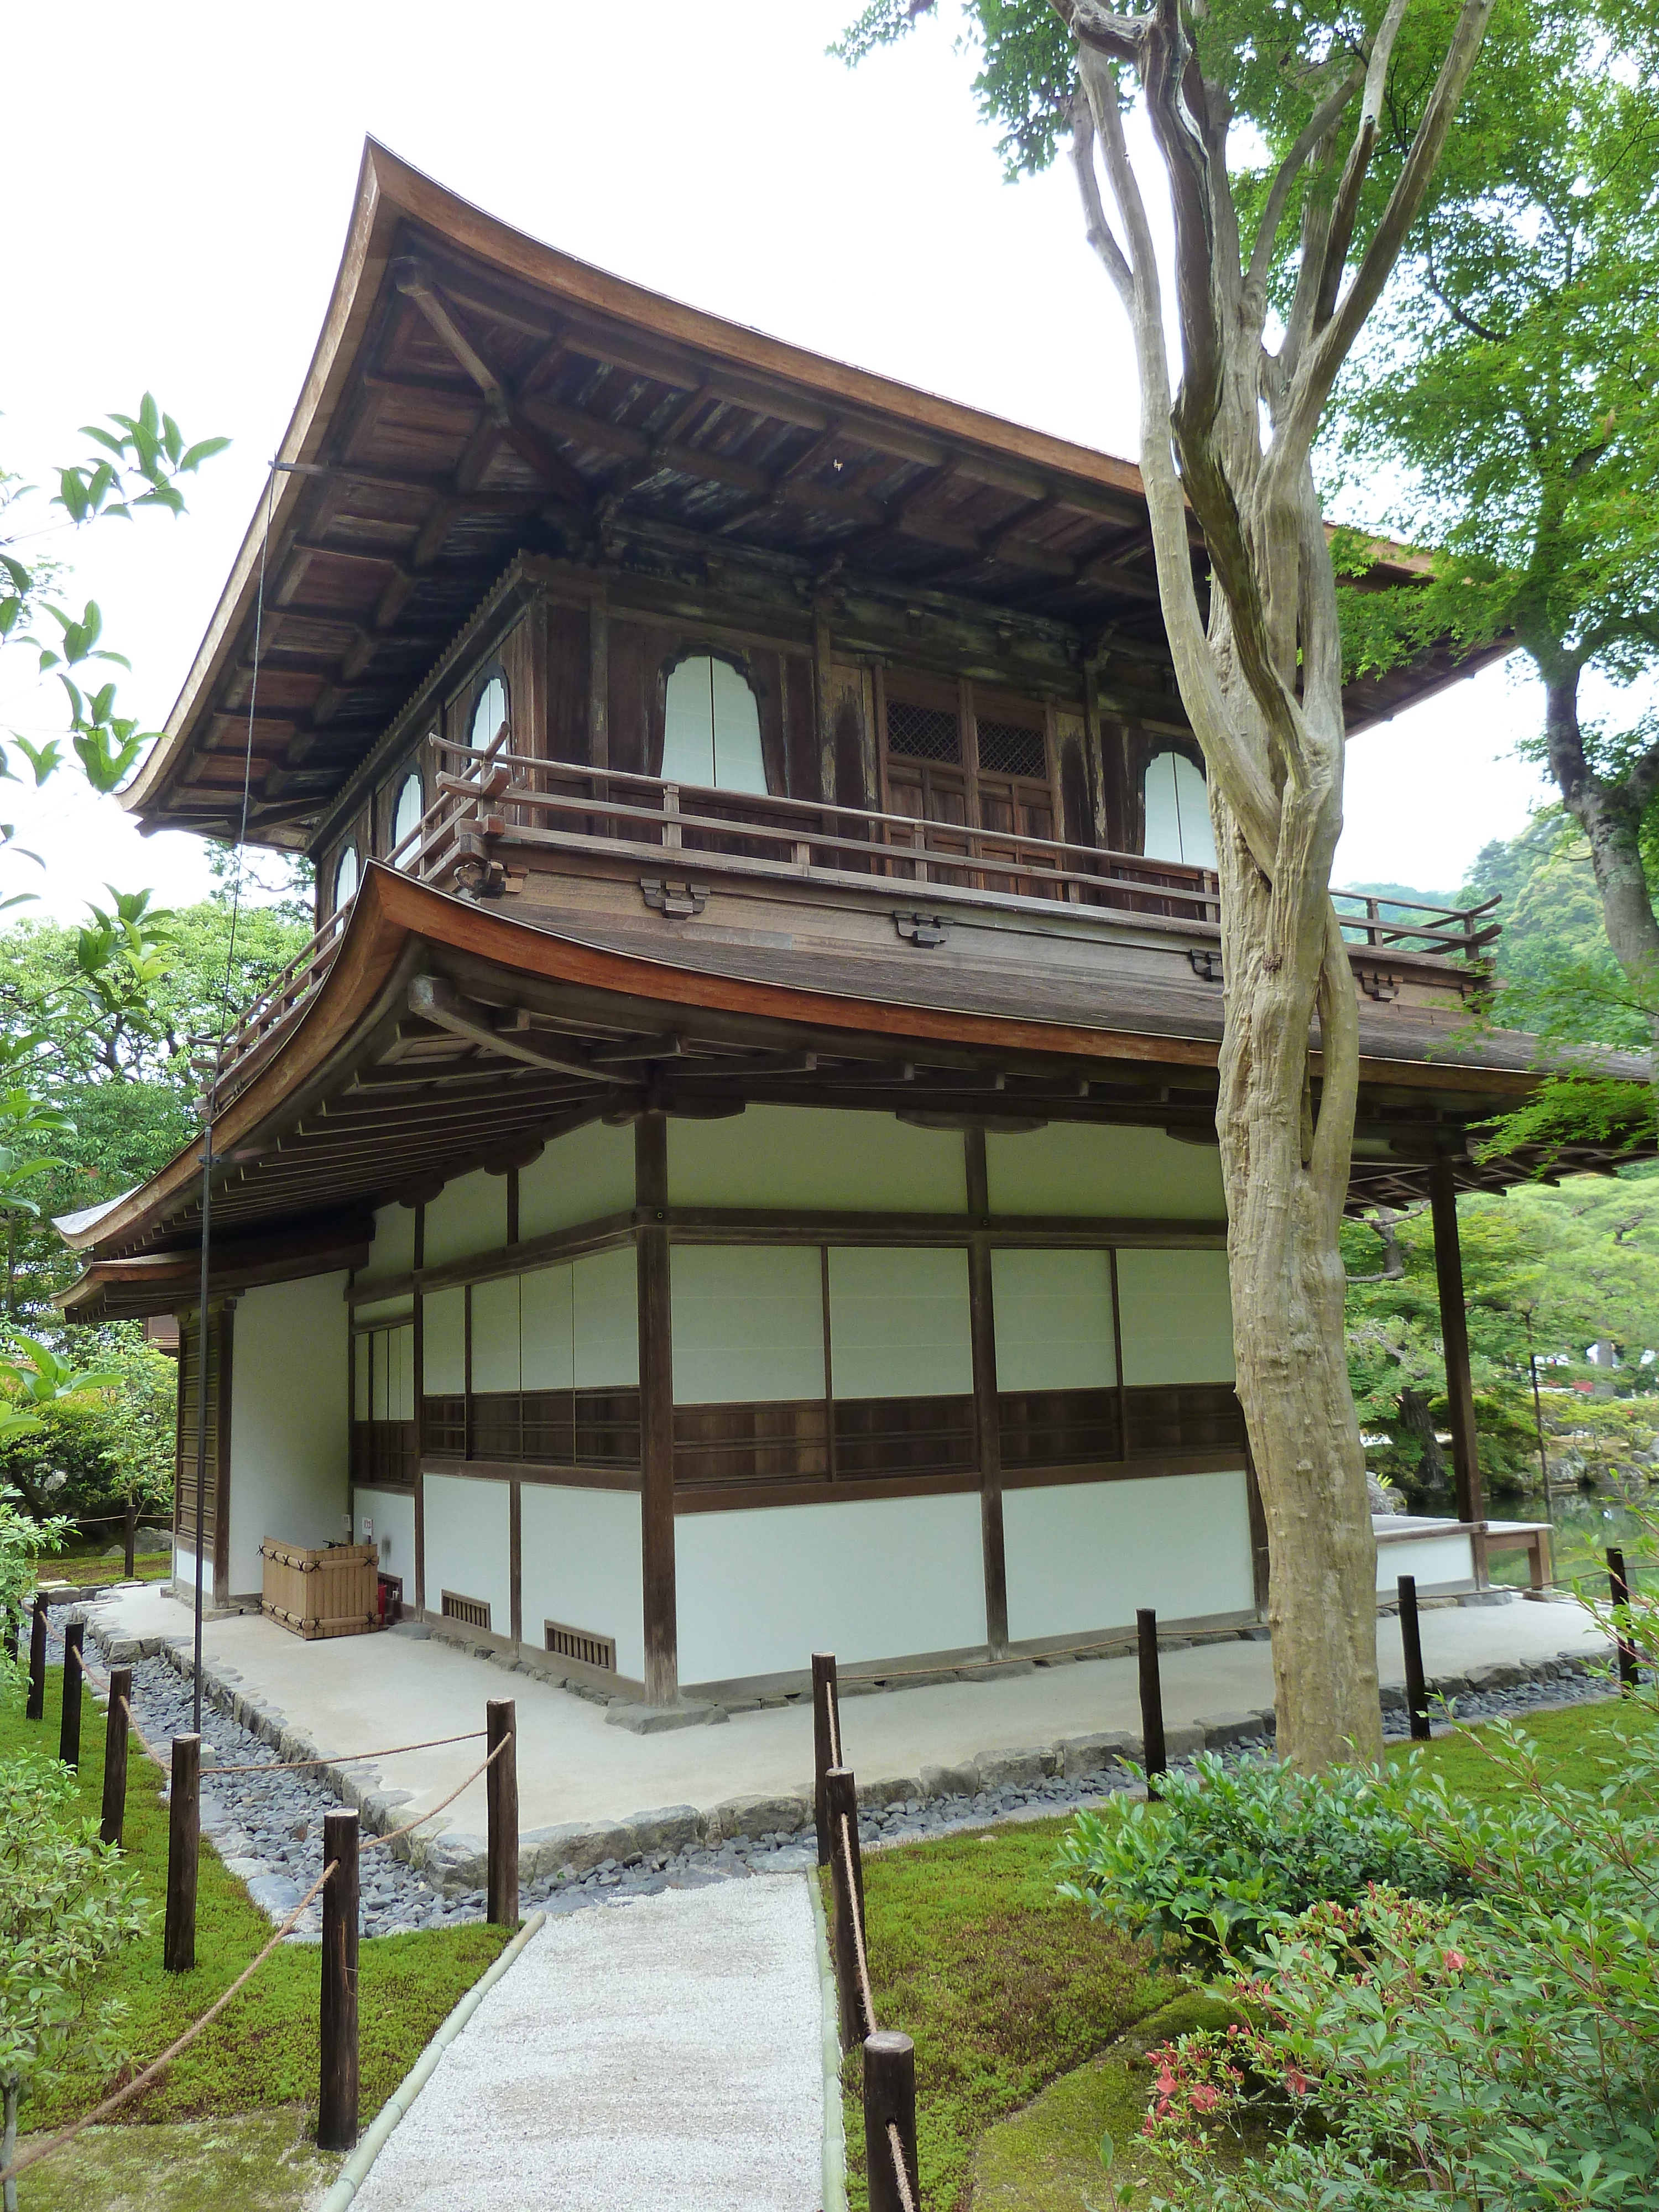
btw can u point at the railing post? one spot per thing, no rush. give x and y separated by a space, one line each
336 2101
1410 1640
69 1730
129 1540
1618 1583
846 1891
115 1756
502 1796
1151 1700
826 1743
184 1842
890 2103
671 808
36 1707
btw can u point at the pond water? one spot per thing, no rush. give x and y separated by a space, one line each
1585 1524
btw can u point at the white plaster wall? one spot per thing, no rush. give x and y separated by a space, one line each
760 1591
289 1431
899 1323
496 1364
581 1177
392 1512
748 1323
1434 1560
1127 1174
443 1341
817 1156
468 1215
1054 1320
548 1328
1176 1317
1086 1555
606 1336
469 1545
580 1565
392 1252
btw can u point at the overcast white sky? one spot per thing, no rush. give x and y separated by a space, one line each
187 239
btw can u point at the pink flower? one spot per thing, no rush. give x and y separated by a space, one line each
1204 2099
1454 1962
1295 2081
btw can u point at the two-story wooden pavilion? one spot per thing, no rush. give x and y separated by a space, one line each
735 1171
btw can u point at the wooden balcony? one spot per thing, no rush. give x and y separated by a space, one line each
577 839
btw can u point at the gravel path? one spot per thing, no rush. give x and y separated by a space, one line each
665 2058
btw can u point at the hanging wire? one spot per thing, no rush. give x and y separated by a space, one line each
209 1163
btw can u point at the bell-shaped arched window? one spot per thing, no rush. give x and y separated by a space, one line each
346 873
488 716
1177 812
712 733
406 814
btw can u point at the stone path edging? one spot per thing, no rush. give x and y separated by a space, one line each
453 1861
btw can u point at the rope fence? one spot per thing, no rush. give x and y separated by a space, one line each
337 1883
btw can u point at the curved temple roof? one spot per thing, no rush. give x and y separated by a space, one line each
475 394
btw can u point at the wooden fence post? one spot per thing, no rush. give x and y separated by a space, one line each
889 2101
826 1742
1151 1700
1618 1583
183 1842
129 1532
1410 1639
847 1890
68 1728
501 1797
37 1705
337 2102
115 1757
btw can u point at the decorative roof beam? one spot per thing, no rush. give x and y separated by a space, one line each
439 1003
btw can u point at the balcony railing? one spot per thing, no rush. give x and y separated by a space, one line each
485 800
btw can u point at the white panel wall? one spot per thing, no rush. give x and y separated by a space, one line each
822 1158
392 1514
898 1323
581 1177
579 1566
290 1428
760 1591
392 1252
443 1346
1128 1174
1438 1562
468 1215
547 1321
607 1328
1054 1320
748 1323
1176 1317
469 1545
495 1362
1084 1556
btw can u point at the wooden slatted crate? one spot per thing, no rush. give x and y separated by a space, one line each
328 1593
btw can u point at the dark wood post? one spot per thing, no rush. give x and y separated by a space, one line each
501 1795
847 1890
69 1730
36 1708
1410 1639
662 1665
336 2101
1454 1336
826 1742
890 2103
1619 1584
1151 1700
987 1416
129 1538
115 1756
184 1844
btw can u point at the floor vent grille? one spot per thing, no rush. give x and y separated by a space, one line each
471 1612
577 1644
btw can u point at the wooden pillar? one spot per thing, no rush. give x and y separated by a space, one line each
337 2102
598 680
662 1678
1454 1336
823 704
987 1416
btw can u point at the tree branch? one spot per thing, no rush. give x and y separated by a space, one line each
1340 237
1319 125
1096 228
1119 38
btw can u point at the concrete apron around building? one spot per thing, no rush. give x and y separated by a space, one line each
589 1790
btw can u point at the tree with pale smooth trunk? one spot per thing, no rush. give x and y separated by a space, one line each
1315 218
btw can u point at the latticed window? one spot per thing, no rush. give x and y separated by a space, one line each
1006 748
923 733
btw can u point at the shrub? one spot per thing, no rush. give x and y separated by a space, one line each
1232 1851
